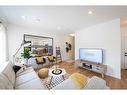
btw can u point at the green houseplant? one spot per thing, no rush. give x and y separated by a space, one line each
26 53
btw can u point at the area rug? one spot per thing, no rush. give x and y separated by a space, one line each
55 81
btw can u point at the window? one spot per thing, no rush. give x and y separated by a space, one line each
2 43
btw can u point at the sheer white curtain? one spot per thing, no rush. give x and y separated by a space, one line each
3 49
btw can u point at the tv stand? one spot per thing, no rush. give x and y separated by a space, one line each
87 66
99 68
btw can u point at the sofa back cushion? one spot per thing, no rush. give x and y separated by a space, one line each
5 83
9 73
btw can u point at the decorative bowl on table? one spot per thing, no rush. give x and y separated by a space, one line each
57 71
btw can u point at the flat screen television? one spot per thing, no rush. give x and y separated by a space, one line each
91 54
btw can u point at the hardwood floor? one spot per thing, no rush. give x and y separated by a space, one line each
113 83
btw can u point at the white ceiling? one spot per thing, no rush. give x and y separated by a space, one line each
60 18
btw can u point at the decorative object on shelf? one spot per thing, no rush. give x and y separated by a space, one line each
23 44
68 47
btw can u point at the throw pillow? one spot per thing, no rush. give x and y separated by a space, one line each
79 80
51 58
16 68
20 71
40 60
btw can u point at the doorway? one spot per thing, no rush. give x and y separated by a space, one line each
123 28
70 47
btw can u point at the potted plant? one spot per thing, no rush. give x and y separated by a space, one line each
26 54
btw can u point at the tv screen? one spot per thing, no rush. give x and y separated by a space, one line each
92 55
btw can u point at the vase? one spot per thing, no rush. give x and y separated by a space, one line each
26 61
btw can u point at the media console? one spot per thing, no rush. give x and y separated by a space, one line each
99 68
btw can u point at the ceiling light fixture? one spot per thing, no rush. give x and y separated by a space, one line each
23 17
72 34
90 12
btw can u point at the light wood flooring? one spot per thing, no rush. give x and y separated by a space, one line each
113 83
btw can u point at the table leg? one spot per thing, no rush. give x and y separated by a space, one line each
51 79
102 75
63 77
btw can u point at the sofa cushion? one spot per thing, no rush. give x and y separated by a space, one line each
96 83
9 73
5 83
25 78
32 84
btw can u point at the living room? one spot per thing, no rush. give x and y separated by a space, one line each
71 28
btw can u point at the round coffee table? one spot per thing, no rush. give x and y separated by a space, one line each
59 73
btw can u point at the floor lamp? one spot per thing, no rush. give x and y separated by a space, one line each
23 44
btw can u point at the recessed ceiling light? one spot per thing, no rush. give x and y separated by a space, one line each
90 12
72 34
58 28
38 20
23 17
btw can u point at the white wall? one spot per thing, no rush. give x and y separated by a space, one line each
106 36
15 37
